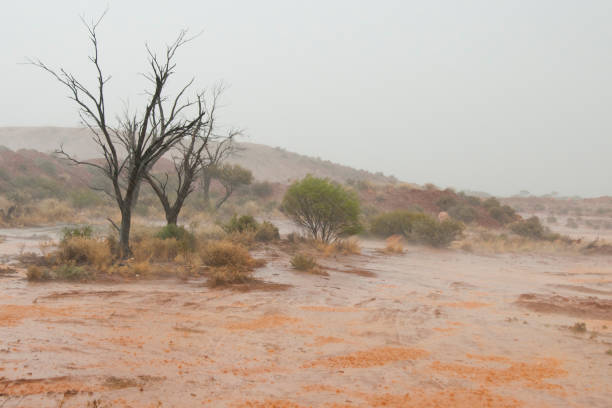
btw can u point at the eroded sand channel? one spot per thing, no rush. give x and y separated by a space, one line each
424 329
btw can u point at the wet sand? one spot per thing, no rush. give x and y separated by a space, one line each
429 328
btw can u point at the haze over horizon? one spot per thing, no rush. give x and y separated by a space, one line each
488 96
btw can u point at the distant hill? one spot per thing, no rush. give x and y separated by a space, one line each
266 163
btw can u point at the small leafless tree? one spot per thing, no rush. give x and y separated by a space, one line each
215 154
231 177
135 143
192 157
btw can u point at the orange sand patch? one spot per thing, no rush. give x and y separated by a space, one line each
248 371
11 315
264 322
268 404
532 374
58 385
455 398
467 305
330 309
322 388
321 341
369 358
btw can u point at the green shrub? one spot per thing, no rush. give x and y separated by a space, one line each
323 208
267 232
417 227
437 234
185 238
398 222
463 212
503 214
83 231
532 228
241 224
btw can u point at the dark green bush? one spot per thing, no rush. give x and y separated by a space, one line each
446 202
463 212
533 228
322 207
185 238
437 234
241 224
394 223
503 214
417 227
262 189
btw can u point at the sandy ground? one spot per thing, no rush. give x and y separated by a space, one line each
427 328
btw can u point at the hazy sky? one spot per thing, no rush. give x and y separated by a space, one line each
497 96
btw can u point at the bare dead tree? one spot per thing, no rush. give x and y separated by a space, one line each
136 142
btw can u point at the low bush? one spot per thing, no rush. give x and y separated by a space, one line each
446 202
394 245
171 231
267 232
463 212
225 253
82 250
37 273
84 231
306 263
241 224
262 189
417 227
530 228
157 249
228 276
72 272
434 233
571 223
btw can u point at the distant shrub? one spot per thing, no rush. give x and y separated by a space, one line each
551 219
241 224
533 228
503 214
266 232
446 202
571 223
262 189
398 222
463 212
437 234
83 231
417 227
471 200
324 208
85 198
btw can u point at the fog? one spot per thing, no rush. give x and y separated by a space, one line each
490 96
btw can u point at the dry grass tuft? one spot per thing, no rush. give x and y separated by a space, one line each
306 263
394 245
81 250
